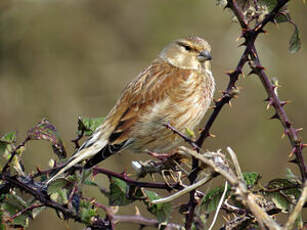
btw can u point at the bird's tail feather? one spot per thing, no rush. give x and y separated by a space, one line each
78 157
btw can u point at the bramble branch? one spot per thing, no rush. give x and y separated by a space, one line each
219 165
130 181
250 36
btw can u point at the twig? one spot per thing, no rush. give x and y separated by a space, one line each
80 135
184 137
214 161
219 206
235 162
130 181
136 219
185 190
144 221
43 198
30 208
296 211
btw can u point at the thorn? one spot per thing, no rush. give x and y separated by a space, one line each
287 131
137 211
288 124
268 99
303 146
238 38
275 116
228 5
213 106
294 161
275 82
299 130
243 44
260 30
269 105
211 135
230 104
218 100
251 72
231 73
291 153
259 67
283 135
283 103
235 91
263 31
243 75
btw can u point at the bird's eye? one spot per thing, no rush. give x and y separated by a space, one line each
185 46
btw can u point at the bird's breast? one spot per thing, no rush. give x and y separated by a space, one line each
183 107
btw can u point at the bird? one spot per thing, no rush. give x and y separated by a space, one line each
176 89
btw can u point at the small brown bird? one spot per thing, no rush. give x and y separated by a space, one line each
177 88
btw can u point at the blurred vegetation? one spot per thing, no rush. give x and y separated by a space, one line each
62 59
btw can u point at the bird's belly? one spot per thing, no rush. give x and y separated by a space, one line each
150 132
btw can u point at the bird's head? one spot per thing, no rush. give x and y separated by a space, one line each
188 53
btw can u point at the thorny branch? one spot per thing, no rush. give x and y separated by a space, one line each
136 219
130 181
98 223
219 165
250 36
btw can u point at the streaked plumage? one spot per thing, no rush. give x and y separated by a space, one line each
177 88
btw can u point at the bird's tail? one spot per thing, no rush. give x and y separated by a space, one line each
82 154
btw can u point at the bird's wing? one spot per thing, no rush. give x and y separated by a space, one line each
154 84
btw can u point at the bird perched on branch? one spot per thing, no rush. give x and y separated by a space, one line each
176 88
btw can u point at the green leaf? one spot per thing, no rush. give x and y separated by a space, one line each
58 190
9 138
189 132
2 226
90 182
212 198
118 191
161 211
288 187
295 41
57 185
87 212
291 176
280 201
12 205
282 16
44 130
6 144
251 178
283 193
37 211
89 125
299 221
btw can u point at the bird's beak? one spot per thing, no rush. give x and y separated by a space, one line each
204 56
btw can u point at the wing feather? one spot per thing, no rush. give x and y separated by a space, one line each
154 84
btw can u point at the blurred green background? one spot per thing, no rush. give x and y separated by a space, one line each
64 59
